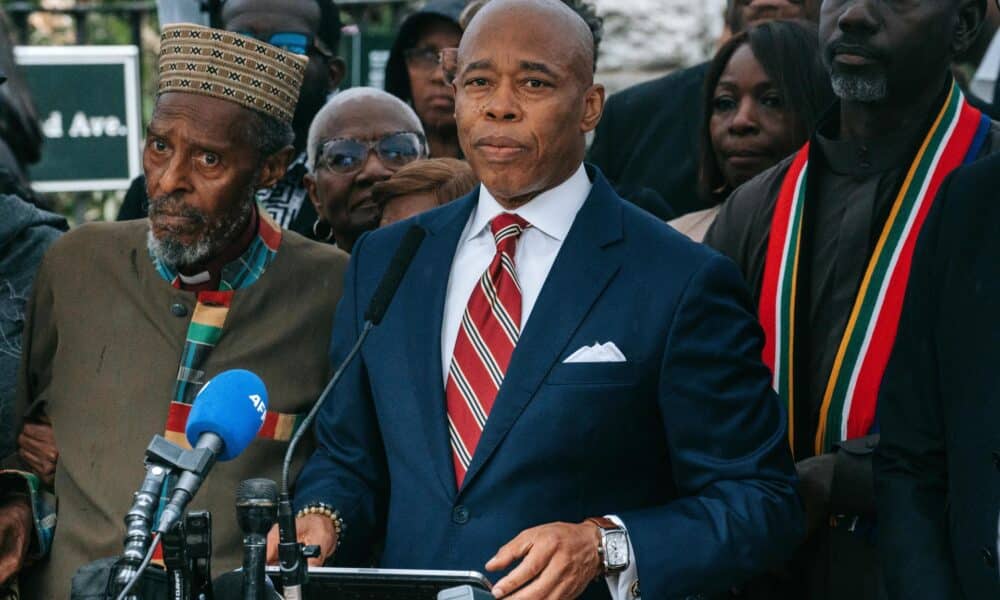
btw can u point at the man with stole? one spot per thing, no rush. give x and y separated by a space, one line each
825 240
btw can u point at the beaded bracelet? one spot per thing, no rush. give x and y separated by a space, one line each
319 508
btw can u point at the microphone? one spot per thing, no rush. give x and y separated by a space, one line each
256 511
386 289
226 416
290 553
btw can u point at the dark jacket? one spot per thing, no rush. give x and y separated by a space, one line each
937 466
648 139
397 79
25 235
685 441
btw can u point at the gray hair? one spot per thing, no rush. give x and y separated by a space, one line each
268 134
338 100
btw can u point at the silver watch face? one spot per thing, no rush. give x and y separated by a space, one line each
616 549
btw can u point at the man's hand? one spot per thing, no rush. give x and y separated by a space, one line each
37 448
815 484
311 529
15 535
558 561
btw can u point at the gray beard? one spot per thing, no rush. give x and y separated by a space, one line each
856 88
178 256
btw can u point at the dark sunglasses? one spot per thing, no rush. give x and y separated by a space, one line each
294 42
346 155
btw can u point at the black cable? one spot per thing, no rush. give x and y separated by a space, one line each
142 567
307 422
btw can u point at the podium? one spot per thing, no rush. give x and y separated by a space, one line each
335 583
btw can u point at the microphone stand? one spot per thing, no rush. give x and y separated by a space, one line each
138 522
291 554
163 457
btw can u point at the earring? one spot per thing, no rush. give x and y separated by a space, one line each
317 224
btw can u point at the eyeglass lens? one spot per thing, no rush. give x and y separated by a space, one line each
347 155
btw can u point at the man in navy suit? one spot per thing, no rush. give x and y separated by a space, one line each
564 391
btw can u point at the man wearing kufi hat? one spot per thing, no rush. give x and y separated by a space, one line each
128 320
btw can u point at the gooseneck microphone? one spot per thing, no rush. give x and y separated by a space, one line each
226 416
290 553
256 512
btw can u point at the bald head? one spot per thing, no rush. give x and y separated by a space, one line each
360 113
525 96
564 30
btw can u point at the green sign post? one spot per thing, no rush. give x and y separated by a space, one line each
87 99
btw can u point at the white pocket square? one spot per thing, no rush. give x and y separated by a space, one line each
607 352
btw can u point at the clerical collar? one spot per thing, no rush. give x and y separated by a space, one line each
861 158
207 277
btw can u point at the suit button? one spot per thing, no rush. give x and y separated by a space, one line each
989 558
996 459
460 515
178 310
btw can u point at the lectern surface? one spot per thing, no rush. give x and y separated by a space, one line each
333 583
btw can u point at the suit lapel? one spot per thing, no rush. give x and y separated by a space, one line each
431 270
585 264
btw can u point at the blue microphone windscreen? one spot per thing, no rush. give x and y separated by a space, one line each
232 405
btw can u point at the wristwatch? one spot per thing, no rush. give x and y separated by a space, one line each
614 545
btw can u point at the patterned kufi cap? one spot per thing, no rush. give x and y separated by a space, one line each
234 67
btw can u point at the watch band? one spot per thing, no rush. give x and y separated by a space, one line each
604 523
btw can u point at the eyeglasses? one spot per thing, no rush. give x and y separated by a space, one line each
346 155
294 42
423 59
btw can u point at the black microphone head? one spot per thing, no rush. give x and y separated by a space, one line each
256 505
257 489
407 249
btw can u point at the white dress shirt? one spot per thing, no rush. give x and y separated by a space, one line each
551 214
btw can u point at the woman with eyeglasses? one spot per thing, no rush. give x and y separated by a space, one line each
413 73
359 138
764 92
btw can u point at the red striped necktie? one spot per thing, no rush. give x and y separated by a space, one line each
490 327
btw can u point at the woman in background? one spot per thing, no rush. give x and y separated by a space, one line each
413 73
765 90
421 186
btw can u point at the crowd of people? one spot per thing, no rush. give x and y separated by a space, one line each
723 334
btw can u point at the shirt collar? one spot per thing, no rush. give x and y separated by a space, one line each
208 276
864 158
552 212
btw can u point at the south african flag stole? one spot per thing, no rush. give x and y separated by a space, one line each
849 403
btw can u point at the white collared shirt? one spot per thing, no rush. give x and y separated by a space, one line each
551 215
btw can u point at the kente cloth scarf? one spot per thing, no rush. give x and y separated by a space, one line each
849 404
205 329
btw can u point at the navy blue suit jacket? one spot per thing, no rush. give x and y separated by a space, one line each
685 441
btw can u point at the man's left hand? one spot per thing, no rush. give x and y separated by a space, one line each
558 561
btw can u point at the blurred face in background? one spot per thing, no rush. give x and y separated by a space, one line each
405 206
746 13
751 126
433 98
294 26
